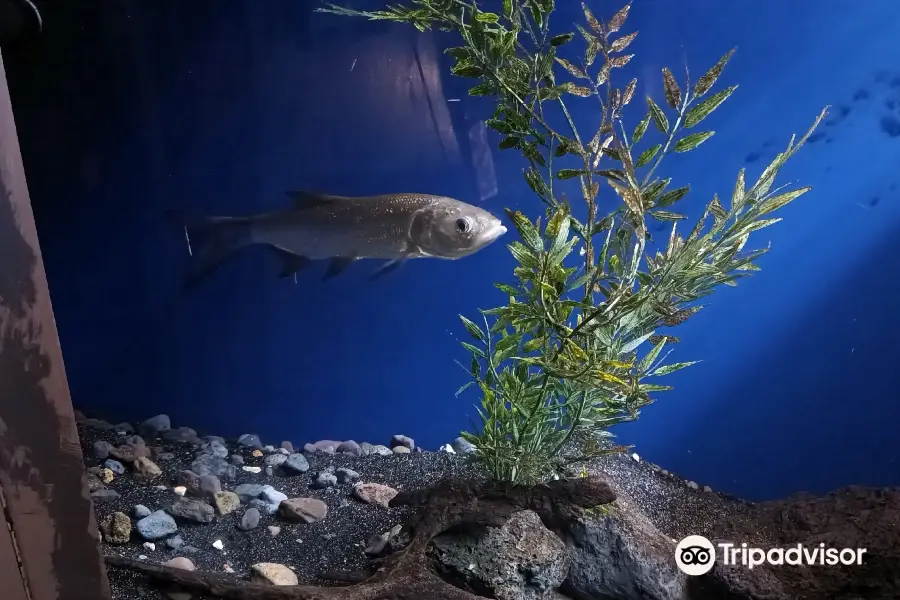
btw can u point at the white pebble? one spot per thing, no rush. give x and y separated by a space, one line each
180 490
636 457
218 545
149 545
142 557
228 568
252 469
448 449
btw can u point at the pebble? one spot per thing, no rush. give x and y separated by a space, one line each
252 469
250 440
275 460
346 475
154 426
156 526
248 491
146 468
116 528
214 448
226 502
207 464
692 484
274 530
180 562
287 446
296 463
237 459
101 449
448 449
400 450
218 545
149 545
306 510
324 480
192 510
381 450
105 475
180 490
175 542
374 493
250 519
403 440
463 446
181 435
349 447
273 573
103 495
140 511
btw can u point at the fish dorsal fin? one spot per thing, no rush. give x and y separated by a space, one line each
309 199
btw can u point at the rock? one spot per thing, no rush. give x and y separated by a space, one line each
448 449
463 446
165 456
400 450
190 509
226 502
268 448
522 560
693 485
296 463
381 450
250 519
615 551
180 490
214 448
105 475
349 447
101 449
123 428
140 511
324 480
104 495
404 441
154 426
181 435
270 495
326 446
156 526
175 542
207 464
346 475
116 528
146 468
288 446
130 452
272 573
93 482
248 491
374 493
251 469
237 459
218 545
257 453
274 530
305 510
250 440
208 486
180 562
274 460
114 466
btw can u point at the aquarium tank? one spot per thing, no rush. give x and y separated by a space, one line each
475 298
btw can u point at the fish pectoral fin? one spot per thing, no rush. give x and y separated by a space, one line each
290 263
338 265
391 266
310 199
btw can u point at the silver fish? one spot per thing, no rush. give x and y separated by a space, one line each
392 227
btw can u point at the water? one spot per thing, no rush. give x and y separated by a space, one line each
128 109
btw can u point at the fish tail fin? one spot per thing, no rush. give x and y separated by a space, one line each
210 242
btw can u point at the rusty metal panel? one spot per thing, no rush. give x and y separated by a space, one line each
41 467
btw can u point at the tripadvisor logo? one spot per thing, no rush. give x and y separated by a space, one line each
696 555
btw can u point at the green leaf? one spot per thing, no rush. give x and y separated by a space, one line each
509 142
466 70
459 52
633 344
673 196
507 8
464 388
570 173
527 230
485 88
486 17
775 202
667 369
659 117
474 350
533 344
709 78
640 130
705 108
689 142
757 225
563 38
664 215
651 357
647 155
473 329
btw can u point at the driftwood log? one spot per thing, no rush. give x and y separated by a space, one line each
405 575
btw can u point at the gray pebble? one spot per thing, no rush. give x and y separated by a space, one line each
237 459
250 440
346 475
114 466
101 449
403 440
296 463
175 542
250 520
324 480
156 526
274 460
140 511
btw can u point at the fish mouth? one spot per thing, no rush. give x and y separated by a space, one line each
494 231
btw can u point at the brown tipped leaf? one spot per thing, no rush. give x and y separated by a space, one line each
673 93
709 78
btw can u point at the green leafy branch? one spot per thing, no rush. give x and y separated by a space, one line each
558 364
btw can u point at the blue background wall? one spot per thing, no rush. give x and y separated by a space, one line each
125 109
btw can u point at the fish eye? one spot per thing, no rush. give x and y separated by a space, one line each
463 225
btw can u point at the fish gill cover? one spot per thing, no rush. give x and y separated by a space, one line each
579 345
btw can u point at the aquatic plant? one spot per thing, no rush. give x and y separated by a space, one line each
562 361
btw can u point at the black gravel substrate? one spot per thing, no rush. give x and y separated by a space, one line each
675 506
